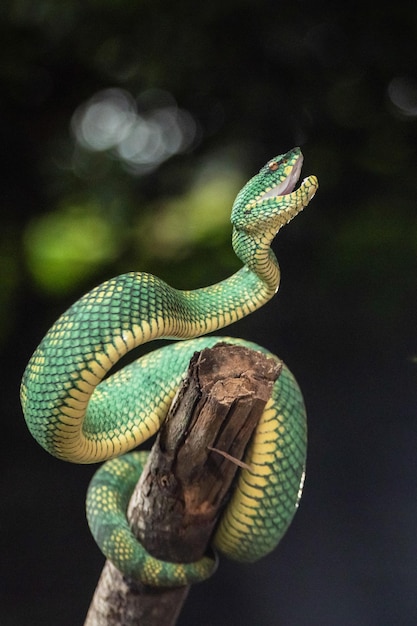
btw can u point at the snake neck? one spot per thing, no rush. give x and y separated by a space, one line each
242 293
239 295
257 256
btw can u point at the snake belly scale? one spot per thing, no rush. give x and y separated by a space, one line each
78 414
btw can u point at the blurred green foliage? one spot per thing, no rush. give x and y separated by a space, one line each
200 98
68 245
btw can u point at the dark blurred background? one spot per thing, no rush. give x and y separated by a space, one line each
126 129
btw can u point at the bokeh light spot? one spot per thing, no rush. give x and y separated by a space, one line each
140 139
105 120
402 92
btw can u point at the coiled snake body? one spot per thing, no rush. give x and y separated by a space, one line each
78 415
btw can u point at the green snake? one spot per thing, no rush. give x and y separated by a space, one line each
79 414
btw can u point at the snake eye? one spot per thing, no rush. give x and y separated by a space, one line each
274 165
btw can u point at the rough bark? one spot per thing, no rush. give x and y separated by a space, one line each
188 476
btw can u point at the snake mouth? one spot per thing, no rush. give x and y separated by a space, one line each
286 186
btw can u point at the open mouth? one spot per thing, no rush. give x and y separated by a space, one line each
288 184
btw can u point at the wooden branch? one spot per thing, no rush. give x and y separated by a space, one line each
185 484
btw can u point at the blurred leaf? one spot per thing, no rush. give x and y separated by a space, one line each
67 246
178 225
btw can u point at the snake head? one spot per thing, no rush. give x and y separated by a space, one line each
269 200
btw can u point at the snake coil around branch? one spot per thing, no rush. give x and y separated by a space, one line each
78 414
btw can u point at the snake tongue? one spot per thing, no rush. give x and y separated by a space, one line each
288 184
